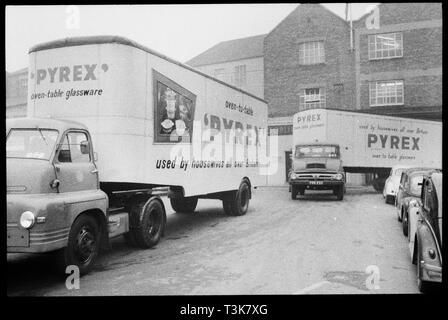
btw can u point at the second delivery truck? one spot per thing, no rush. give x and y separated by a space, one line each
329 143
112 126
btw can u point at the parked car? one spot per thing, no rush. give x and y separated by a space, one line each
408 189
427 241
391 185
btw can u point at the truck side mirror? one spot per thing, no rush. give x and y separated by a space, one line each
85 147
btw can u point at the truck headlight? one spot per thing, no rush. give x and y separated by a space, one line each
293 176
27 219
339 176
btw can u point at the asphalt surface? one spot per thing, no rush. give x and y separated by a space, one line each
313 245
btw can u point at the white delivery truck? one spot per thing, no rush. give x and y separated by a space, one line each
111 126
328 143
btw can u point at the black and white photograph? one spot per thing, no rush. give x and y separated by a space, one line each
251 149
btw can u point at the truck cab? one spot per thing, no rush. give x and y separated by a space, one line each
317 166
53 195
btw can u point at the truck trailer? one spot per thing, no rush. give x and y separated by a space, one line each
111 127
329 143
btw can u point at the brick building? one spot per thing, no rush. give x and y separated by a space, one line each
16 93
238 62
308 63
312 60
398 67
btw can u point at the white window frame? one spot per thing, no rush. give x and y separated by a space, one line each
312 98
312 52
380 48
382 95
240 75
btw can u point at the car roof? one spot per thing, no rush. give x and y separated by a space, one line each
418 171
401 166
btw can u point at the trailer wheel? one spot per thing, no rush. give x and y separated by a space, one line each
150 225
239 205
83 245
294 192
340 193
184 205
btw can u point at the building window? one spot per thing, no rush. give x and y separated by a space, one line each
312 98
311 52
385 46
240 76
386 93
219 73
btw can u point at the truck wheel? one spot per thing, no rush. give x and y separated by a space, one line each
184 205
83 245
150 225
240 204
294 192
405 224
340 193
302 192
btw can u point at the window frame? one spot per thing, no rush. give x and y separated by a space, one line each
321 103
305 56
61 143
386 96
373 53
239 76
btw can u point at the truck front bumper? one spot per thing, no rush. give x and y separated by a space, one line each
316 184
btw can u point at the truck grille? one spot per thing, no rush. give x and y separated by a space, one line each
315 176
315 165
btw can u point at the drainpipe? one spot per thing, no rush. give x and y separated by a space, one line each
351 28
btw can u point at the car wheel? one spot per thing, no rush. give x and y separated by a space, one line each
423 286
405 224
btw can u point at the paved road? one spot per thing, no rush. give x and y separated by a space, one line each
316 245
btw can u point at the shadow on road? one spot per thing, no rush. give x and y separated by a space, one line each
31 274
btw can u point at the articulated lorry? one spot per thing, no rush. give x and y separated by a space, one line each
329 143
111 127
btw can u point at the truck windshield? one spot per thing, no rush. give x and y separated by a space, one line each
317 152
31 143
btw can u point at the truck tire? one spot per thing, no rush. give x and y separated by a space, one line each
184 205
340 193
239 205
83 245
149 227
294 192
302 192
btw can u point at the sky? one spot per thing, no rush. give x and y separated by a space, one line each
178 31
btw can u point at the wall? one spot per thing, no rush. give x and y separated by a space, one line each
254 73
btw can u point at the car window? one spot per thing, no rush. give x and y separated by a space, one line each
427 195
403 178
415 185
